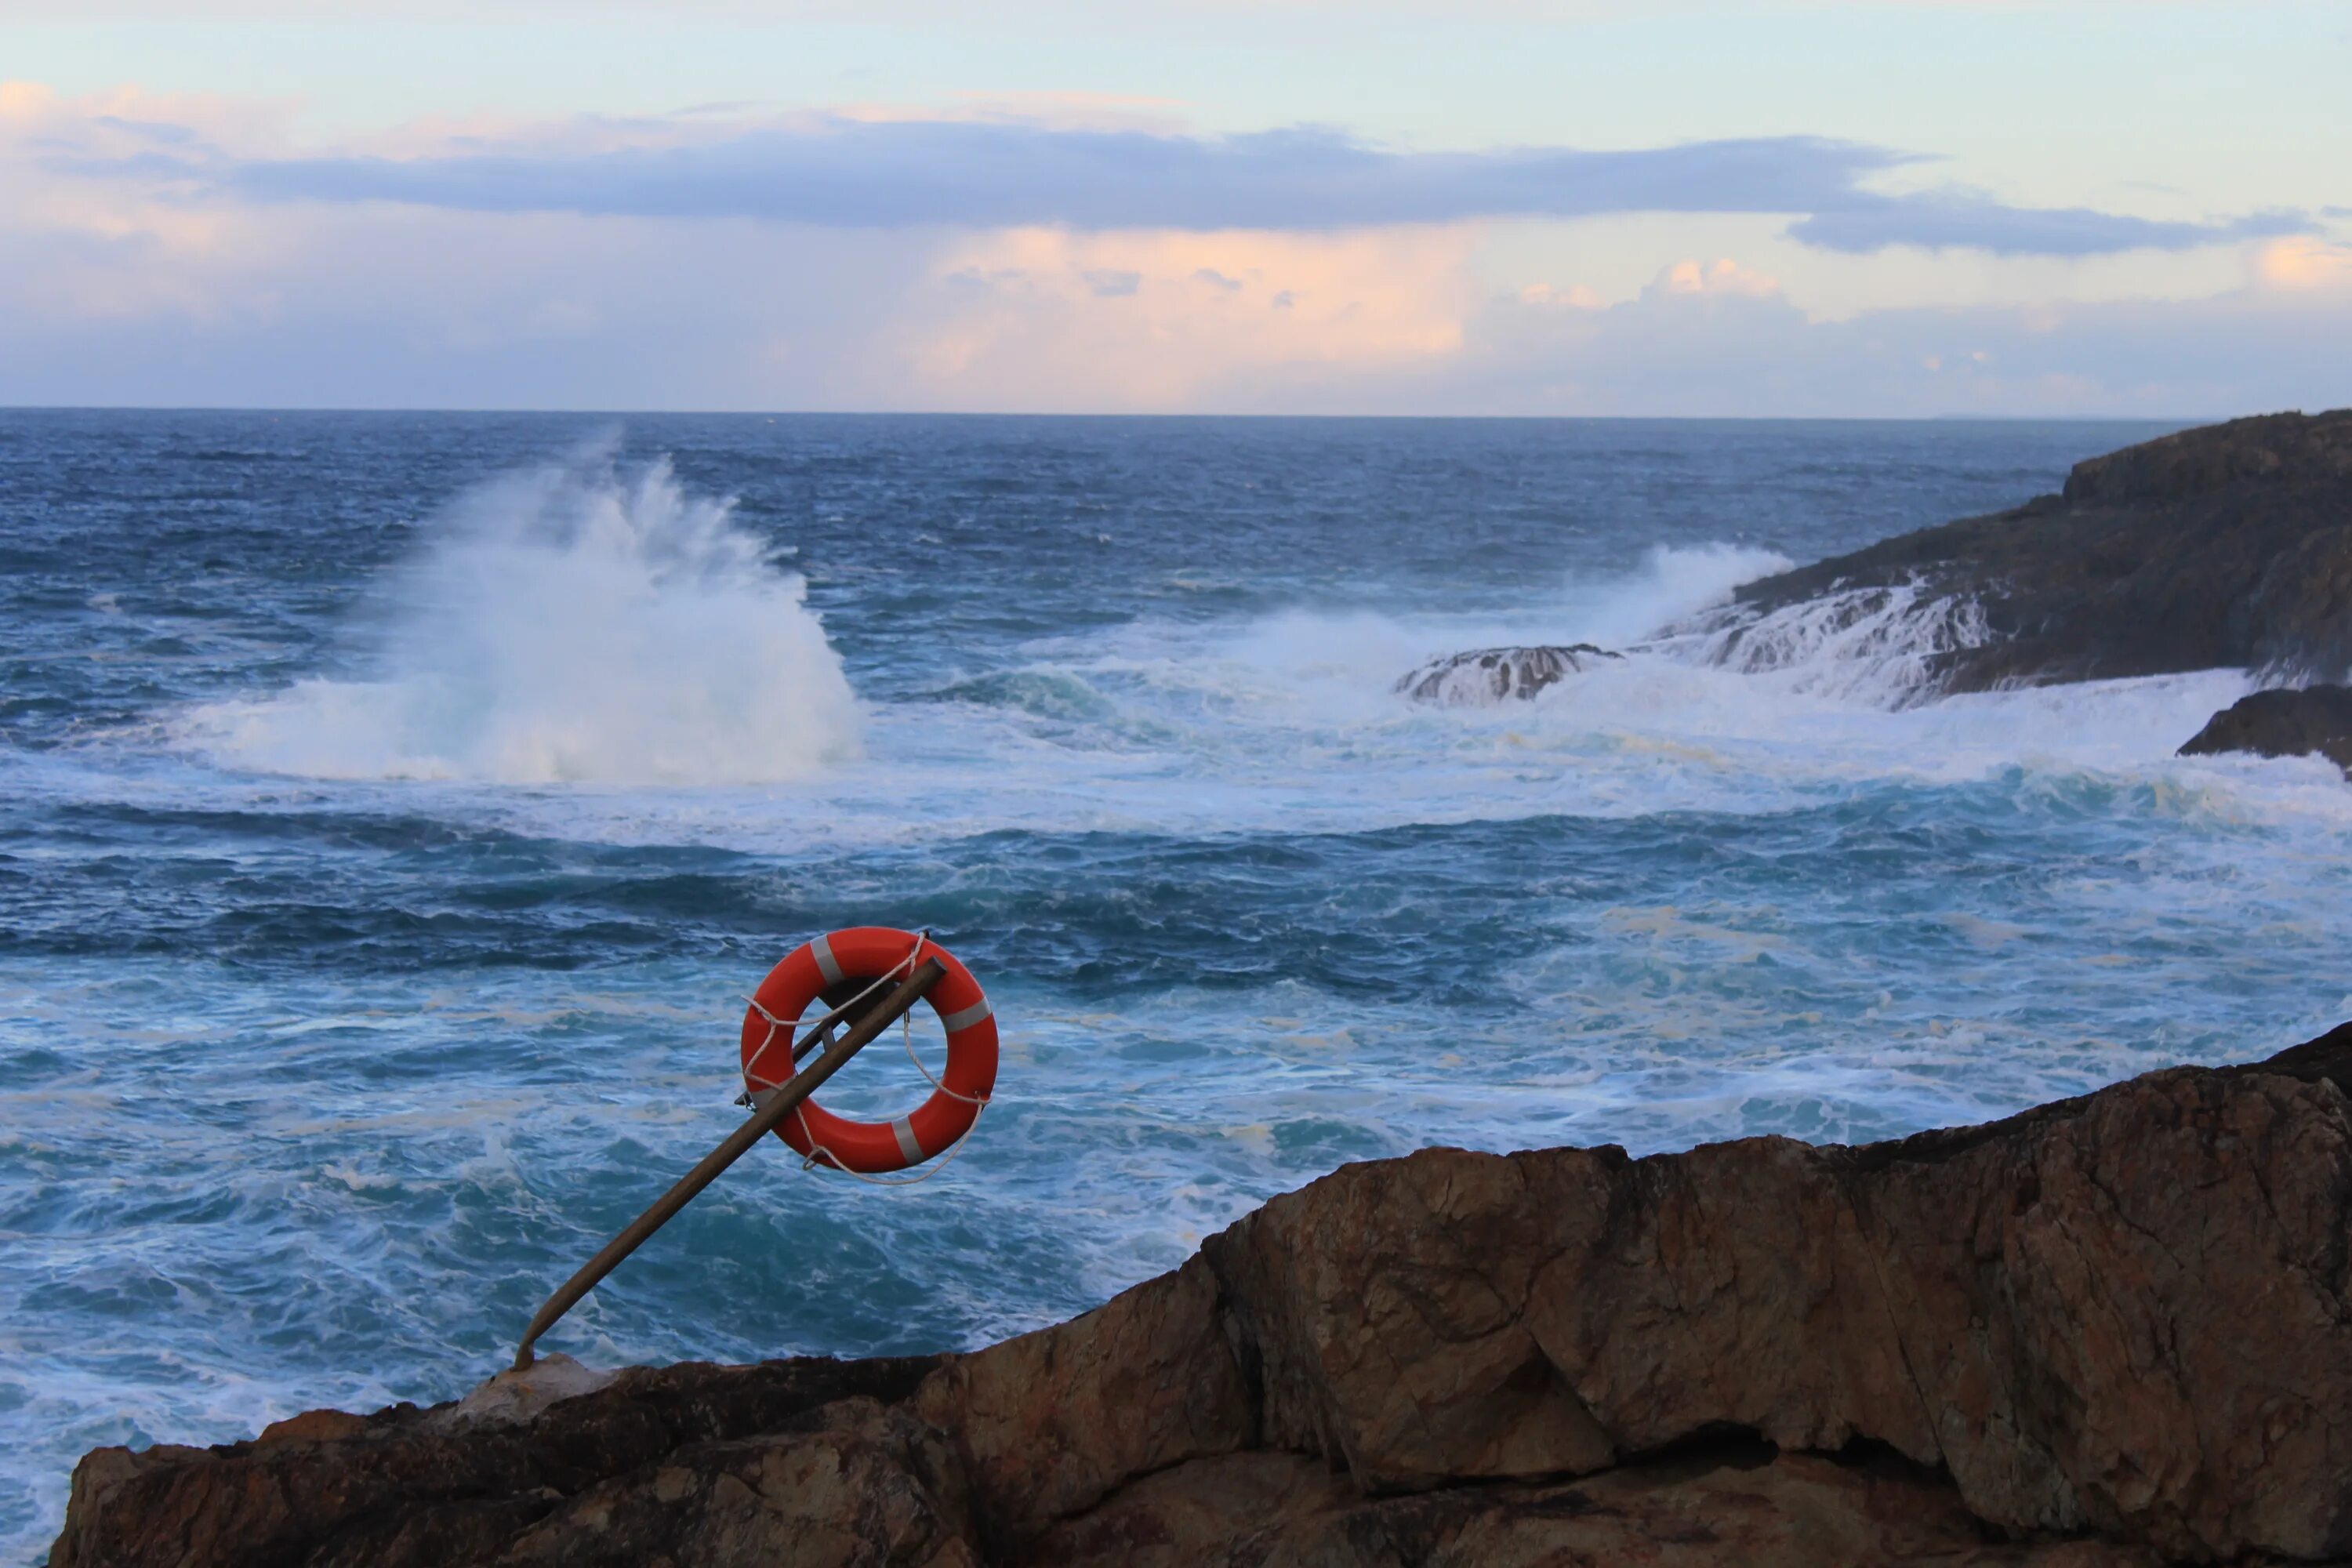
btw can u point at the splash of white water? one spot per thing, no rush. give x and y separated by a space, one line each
1875 646
578 622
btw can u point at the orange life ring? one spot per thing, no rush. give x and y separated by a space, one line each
841 963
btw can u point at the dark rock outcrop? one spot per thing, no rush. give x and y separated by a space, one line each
1485 675
2286 722
2115 1330
2229 546
442 1486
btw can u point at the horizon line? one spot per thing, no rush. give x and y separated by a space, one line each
587 413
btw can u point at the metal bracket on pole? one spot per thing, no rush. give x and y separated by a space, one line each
763 1120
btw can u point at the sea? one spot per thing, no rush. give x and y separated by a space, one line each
396 809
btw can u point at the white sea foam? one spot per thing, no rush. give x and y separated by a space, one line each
1286 721
1291 722
576 622
1670 584
1879 645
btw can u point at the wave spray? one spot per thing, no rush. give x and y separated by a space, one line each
577 622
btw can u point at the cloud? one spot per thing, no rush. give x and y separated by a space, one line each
1556 297
380 307
1748 352
998 170
1391 322
2305 262
1019 318
119 248
990 174
140 287
1961 220
1720 278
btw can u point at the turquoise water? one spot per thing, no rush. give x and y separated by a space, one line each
394 811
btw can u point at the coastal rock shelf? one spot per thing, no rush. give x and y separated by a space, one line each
2115 1330
2224 547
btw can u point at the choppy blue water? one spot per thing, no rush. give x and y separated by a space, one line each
394 810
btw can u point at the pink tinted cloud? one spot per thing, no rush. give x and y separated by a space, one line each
1142 319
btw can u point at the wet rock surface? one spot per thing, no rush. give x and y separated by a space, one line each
2112 1330
2228 546
1487 676
2315 720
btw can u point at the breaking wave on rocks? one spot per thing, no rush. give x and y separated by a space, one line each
579 622
1875 646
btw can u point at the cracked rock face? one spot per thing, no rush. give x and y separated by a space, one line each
2112 1330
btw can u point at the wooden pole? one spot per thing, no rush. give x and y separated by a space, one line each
763 1120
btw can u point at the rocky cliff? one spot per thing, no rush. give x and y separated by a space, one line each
2229 546
2115 1329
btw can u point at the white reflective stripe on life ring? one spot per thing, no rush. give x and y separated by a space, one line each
822 951
965 1017
906 1143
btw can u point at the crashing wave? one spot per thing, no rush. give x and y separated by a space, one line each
1888 646
1484 677
579 622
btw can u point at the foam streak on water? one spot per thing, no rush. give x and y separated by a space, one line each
394 810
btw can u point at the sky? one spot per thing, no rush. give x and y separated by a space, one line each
1681 207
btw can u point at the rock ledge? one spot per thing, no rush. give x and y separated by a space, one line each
2229 546
2115 1330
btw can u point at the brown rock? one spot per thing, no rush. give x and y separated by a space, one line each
315 1427
854 1486
1741 1505
1051 1422
1227 1509
443 1483
2115 1330
2127 1313
1388 1308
